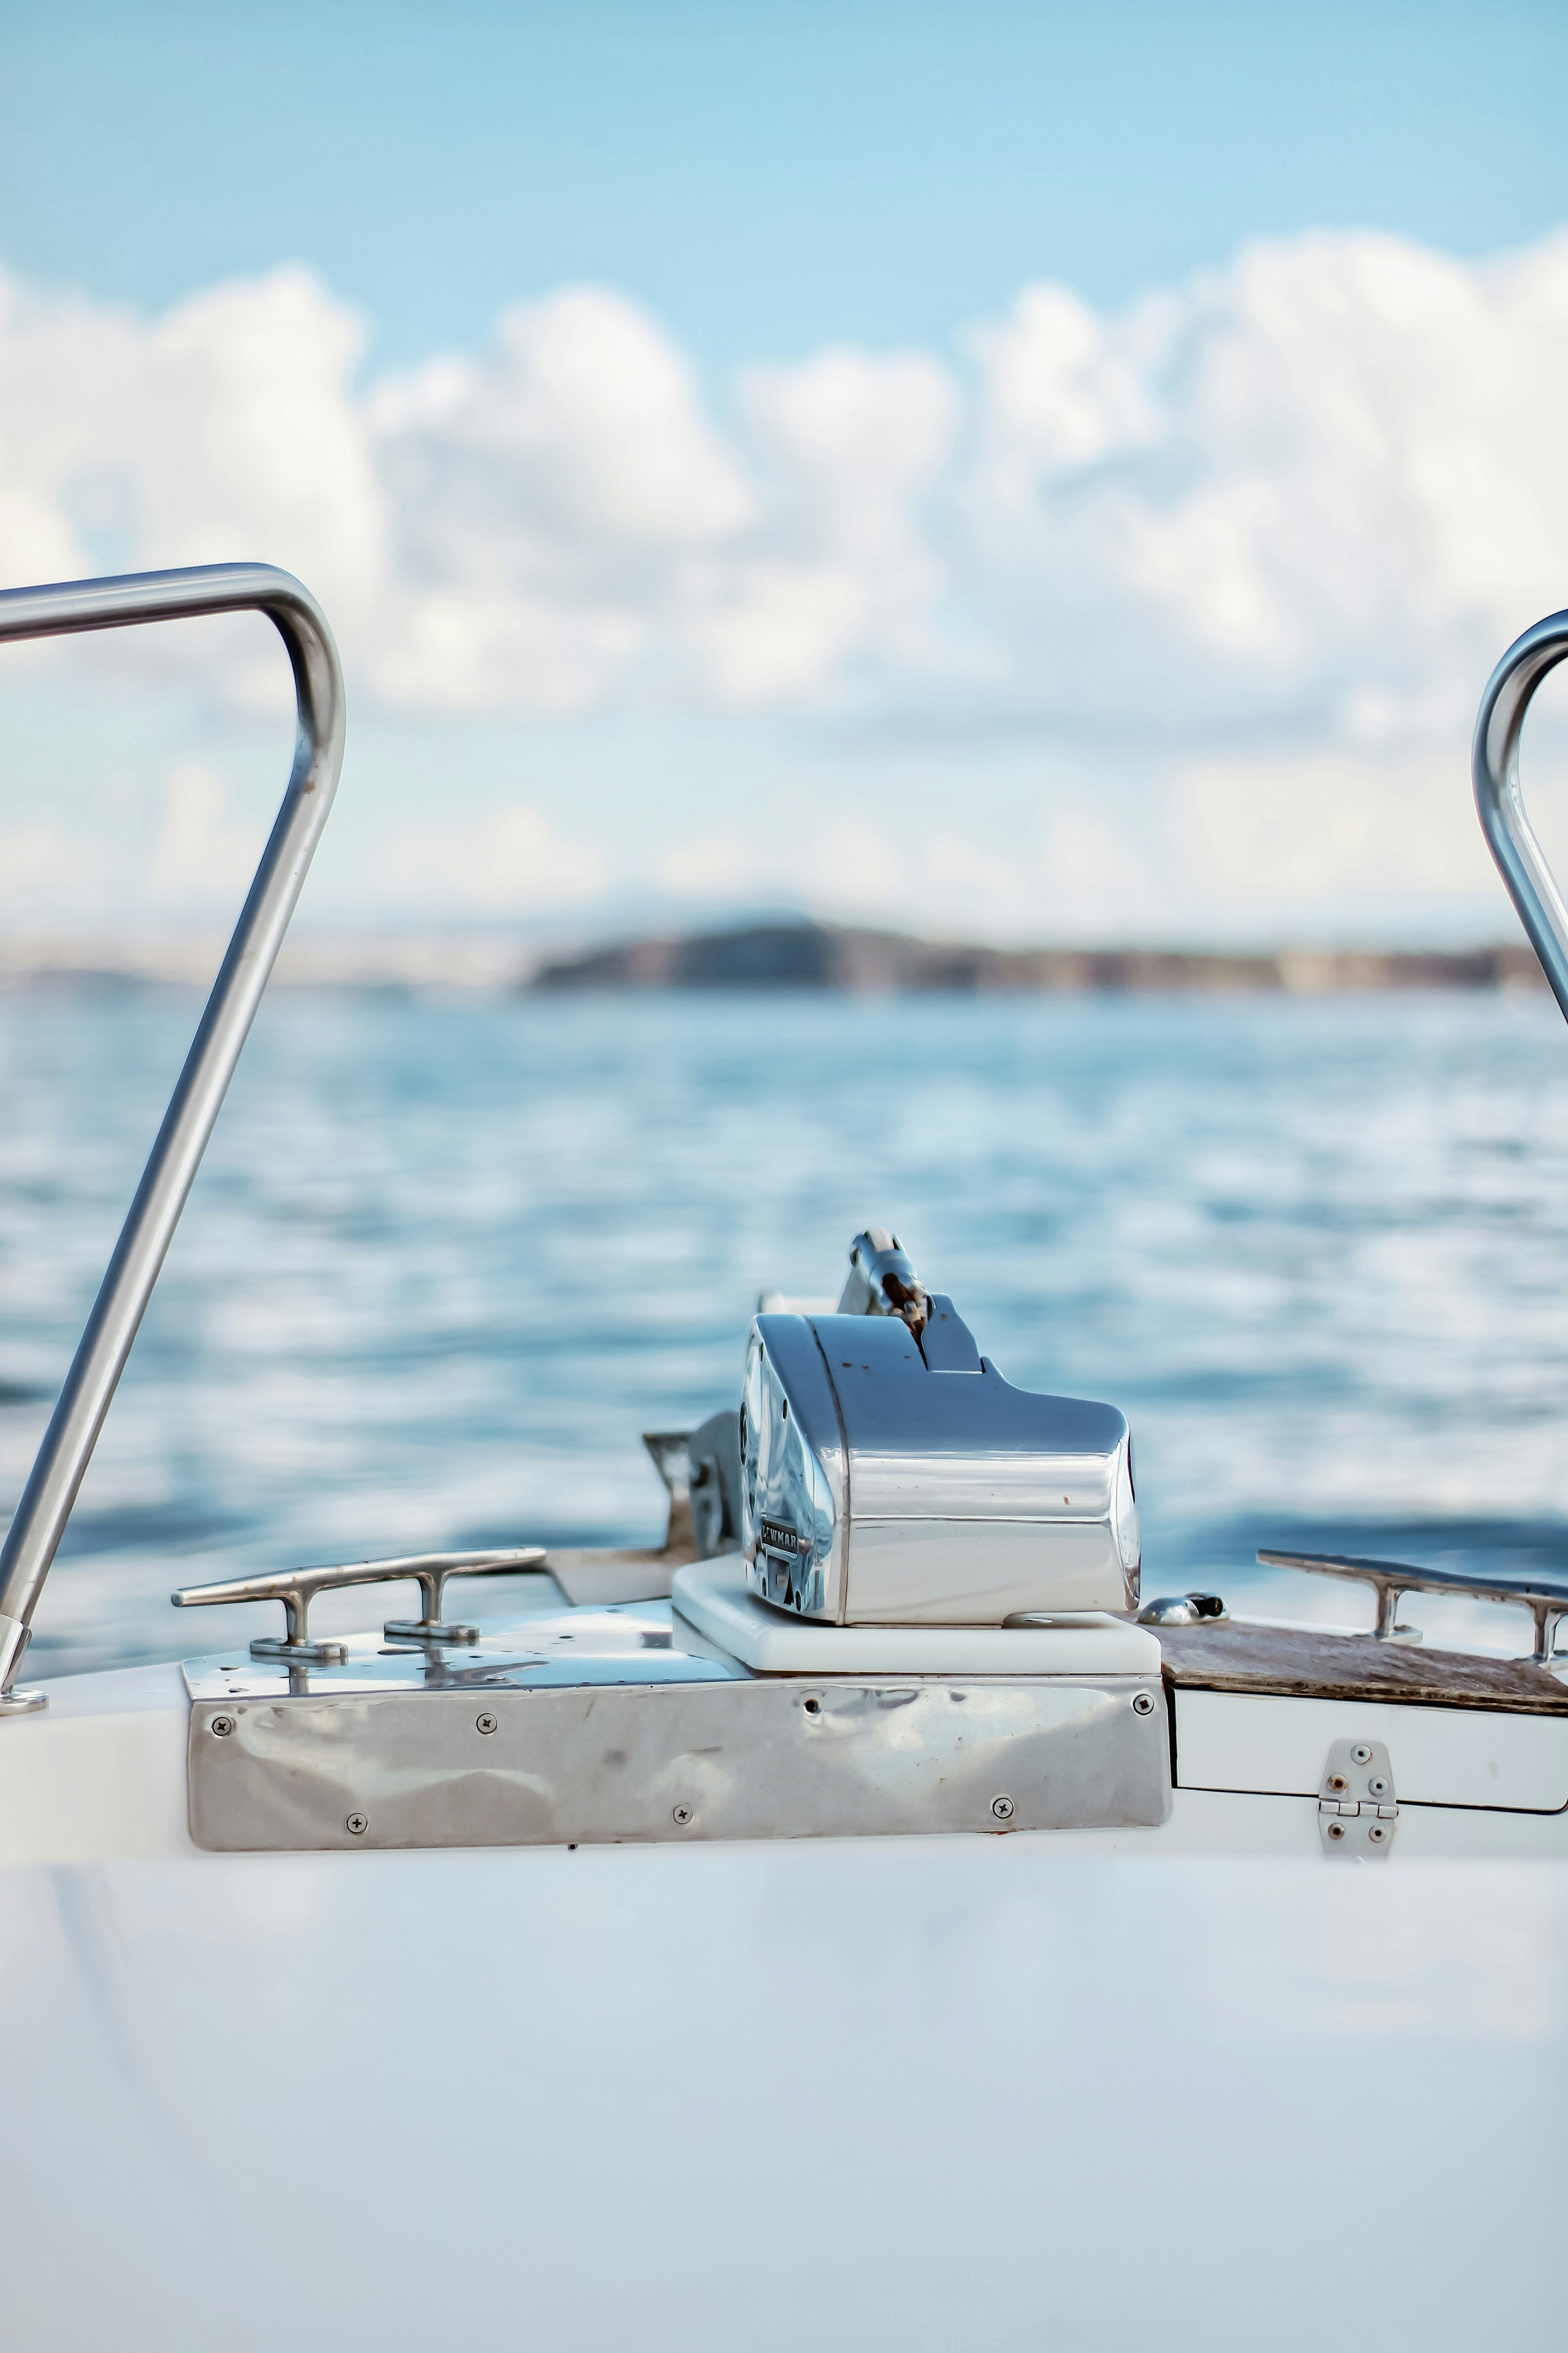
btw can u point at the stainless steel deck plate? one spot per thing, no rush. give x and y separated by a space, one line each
527 1744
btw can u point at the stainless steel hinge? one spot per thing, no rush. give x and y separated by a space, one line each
1357 1810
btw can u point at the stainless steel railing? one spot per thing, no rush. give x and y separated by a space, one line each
1500 801
61 610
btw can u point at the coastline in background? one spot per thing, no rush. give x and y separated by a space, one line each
782 954
841 956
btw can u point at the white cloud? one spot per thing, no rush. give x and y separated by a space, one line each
961 872
1062 396
199 855
1320 487
1325 483
781 631
854 864
224 428
584 422
1084 858
838 583
1291 832
857 436
717 866
42 861
1248 547
549 497
510 862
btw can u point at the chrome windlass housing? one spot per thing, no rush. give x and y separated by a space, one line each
893 1477
792 1470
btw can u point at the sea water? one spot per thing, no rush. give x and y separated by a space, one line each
447 1258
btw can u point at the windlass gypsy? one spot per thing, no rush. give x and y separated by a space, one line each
890 1477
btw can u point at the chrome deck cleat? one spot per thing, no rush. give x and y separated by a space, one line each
296 1589
1546 1600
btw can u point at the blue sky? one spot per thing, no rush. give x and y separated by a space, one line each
933 440
765 177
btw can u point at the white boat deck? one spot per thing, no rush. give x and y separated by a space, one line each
916 2093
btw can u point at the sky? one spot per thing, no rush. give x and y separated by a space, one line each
1018 471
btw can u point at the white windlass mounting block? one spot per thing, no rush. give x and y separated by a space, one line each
713 1597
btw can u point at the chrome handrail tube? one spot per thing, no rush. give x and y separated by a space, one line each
63 610
1499 802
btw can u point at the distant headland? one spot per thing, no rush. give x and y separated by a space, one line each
811 955
770 952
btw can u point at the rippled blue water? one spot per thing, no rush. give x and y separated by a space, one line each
447 1259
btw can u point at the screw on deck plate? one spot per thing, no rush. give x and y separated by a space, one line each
680 1816
484 1723
358 1824
1143 1703
1336 1829
1002 1809
222 1726
1361 1752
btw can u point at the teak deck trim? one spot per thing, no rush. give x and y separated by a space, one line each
1291 1663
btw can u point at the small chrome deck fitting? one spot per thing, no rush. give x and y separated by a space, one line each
1184 1609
